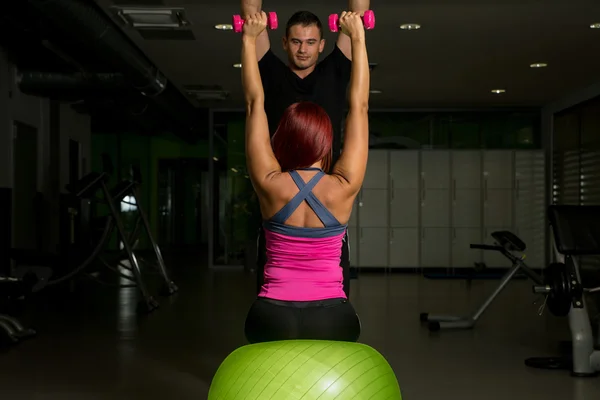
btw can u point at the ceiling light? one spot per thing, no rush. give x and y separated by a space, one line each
375 91
224 27
234 170
498 91
152 17
215 158
410 27
538 65
595 25
238 65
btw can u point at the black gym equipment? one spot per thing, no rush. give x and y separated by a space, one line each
13 328
506 243
560 286
34 269
576 232
40 267
131 188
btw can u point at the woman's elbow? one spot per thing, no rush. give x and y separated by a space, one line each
254 102
360 106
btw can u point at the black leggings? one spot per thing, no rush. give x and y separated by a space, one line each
261 260
271 320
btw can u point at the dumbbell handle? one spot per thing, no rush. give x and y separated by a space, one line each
542 289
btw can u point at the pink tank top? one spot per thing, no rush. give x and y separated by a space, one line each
303 264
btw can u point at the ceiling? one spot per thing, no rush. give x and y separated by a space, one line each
464 49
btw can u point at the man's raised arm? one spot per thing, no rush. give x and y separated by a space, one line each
262 41
343 41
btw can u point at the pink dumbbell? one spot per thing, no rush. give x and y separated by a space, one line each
368 20
238 22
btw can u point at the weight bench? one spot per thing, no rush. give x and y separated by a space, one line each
576 231
506 243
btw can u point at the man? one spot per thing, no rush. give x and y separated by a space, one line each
305 79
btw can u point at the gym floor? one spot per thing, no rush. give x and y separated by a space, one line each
91 344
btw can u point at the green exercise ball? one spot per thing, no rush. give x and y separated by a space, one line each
307 370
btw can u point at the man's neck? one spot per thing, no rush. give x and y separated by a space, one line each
302 73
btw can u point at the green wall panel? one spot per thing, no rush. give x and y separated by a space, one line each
146 151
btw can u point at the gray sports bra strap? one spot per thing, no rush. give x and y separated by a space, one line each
282 215
320 210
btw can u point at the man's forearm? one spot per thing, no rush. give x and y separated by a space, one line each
251 6
343 41
359 6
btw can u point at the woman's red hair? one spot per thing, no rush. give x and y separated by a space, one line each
303 137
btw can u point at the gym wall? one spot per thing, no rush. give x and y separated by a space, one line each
15 106
126 148
35 136
73 127
576 154
396 130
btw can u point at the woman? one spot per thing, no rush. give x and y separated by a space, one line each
305 210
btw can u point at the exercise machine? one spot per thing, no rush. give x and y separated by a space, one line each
12 328
34 271
41 266
507 243
130 188
576 233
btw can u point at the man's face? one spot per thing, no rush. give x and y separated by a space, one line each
303 46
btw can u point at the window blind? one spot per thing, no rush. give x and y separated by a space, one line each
576 160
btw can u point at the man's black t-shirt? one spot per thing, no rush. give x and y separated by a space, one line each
326 86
